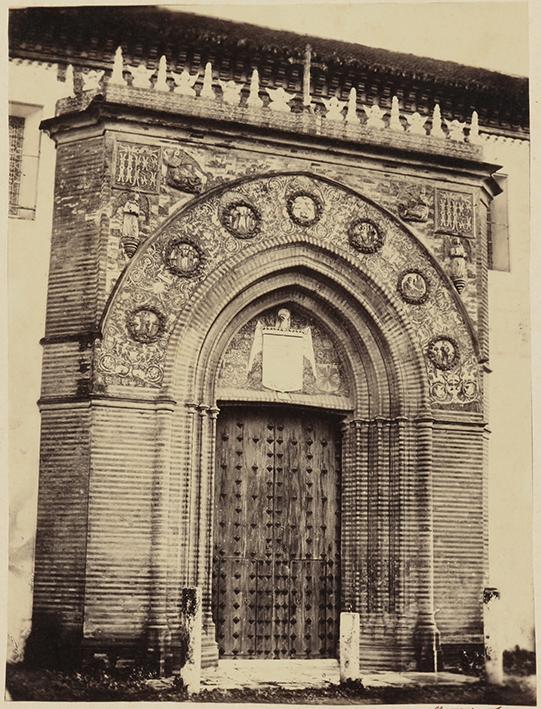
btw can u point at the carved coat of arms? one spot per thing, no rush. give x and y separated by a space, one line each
284 350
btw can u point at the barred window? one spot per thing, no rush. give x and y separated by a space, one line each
16 137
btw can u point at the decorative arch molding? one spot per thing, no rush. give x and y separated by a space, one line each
388 383
231 264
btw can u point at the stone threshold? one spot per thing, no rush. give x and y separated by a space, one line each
304 674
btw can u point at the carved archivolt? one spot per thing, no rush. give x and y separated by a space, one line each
165 275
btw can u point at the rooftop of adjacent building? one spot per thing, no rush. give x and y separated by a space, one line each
88 36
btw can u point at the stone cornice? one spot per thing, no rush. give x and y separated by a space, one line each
170 110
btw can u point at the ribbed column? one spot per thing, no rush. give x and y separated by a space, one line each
210 651
159 635
348 559
192 526
426 633
201 477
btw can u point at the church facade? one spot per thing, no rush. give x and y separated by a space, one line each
264 360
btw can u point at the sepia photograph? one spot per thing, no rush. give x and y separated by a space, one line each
269 353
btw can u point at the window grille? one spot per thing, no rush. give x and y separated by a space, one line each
16 137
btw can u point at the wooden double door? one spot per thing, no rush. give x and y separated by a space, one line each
276 556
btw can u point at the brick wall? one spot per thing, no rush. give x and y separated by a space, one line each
136 512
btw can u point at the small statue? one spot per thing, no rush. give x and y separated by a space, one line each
130 224
283 319
457 267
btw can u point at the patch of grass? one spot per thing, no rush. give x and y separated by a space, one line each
28 684
519 661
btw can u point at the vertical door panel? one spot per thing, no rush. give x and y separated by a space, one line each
276 537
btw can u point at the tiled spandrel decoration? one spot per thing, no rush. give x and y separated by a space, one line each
454 213
137 166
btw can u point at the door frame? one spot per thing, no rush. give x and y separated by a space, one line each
338 416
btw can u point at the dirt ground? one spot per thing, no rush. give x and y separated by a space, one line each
45 685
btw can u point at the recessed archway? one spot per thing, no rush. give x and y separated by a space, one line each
232 271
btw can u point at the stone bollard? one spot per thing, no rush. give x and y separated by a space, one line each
493 646
191 622
350 635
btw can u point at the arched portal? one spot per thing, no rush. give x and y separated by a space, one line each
201 298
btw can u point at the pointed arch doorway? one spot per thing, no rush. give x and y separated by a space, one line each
276 552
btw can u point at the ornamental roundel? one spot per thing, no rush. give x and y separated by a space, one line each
443 352
183 258
413 286
304 208
365 236
145 324
241 219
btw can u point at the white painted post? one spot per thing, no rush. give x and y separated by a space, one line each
350 635
192 622
493 645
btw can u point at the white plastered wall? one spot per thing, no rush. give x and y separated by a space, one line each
509 400
33 90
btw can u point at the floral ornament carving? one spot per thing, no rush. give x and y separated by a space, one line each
184 258
365 236
145 324
241 219
442 351
413 286
304 208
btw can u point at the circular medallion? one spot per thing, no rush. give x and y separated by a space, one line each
145 324
443 352
304 208
183 258
365 236
413 286
241 219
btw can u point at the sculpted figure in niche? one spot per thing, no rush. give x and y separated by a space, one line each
457 267
283 319
130 224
